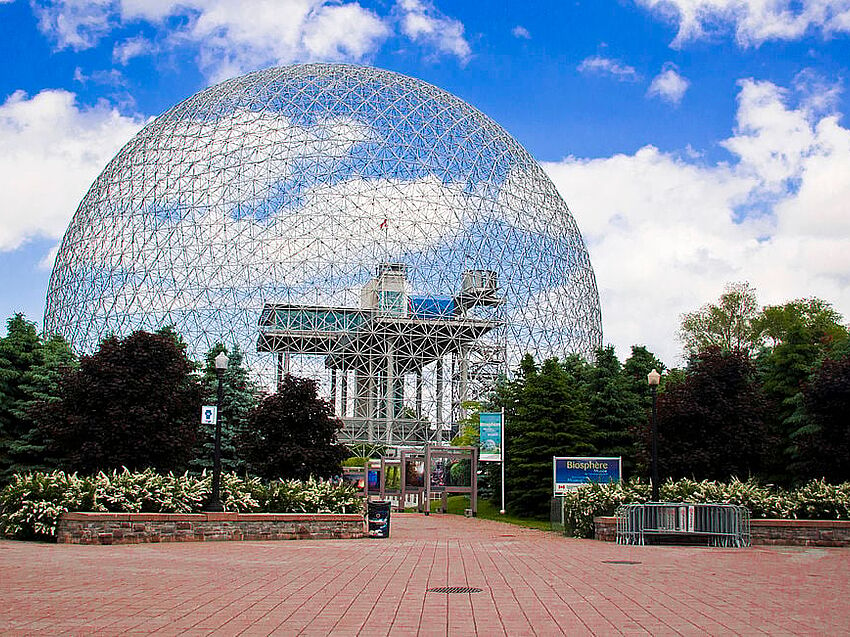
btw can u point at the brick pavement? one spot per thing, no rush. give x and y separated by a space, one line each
533 583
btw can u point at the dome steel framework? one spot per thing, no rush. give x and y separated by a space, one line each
343 222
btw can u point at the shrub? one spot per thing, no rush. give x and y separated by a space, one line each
31 504
814 500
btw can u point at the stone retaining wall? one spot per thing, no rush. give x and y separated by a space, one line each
767 532
138 528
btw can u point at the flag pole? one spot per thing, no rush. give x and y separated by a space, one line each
504 456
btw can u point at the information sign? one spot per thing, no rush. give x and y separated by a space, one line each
490 436
570 473
209 414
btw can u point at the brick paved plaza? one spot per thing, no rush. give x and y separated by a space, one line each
533 583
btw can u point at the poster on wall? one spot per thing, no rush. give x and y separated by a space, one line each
573 472
490 436
414 474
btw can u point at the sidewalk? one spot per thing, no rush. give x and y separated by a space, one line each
533 583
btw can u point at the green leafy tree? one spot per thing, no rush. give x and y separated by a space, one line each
816 317
239 397
133 403
801 334
635 369
293 434
727 324
822 446
546 416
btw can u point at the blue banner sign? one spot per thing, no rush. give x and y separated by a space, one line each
490 436
570 473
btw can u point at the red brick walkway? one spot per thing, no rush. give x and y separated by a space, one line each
533 583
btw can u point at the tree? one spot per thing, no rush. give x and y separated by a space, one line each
814 316
134 403
802 334
713 425
20 351
727 324
39 385
822 447
614 409
546 416
239 397
293 434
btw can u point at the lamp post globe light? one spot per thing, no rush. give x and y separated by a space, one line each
214 503
653 378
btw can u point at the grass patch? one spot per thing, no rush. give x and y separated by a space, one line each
457 504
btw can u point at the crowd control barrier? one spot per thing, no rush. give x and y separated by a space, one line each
712 524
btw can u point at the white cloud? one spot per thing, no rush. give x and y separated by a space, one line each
423 23
51 150
665 233
235 37
754 21
521 32
600 65
668 85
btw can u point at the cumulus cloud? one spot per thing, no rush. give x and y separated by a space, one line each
753 21
668 85
599 65
666 232
235 37
521 32
51 150
423 23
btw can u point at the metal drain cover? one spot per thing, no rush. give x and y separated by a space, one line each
619 562
454 589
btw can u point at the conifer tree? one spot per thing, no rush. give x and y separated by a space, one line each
239 397
546 417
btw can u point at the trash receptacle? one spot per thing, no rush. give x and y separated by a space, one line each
378 518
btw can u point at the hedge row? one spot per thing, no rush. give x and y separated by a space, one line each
31 504
814 500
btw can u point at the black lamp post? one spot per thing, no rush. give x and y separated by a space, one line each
214 503
653 378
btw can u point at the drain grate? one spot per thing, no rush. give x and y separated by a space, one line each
451 590
619 562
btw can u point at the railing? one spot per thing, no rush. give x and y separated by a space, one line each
713 524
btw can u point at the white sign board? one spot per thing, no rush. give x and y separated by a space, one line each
209 414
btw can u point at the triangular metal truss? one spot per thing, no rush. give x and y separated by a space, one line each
267 209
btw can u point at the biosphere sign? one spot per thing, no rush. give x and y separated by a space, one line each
570 473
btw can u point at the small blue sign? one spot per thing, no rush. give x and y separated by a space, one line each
570 473
490 436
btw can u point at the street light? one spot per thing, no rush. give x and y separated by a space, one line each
214 503
653 378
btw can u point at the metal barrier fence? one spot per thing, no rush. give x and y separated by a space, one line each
717 524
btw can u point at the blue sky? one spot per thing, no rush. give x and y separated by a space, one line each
697 142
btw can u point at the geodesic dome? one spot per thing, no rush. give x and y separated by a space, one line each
290 209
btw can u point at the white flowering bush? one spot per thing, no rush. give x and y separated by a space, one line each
814 500
31 504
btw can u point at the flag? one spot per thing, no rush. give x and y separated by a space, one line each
383 224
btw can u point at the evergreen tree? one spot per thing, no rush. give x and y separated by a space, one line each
293 434
239 397
614 409
40 386
635 369
20 350
29 368
546 416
